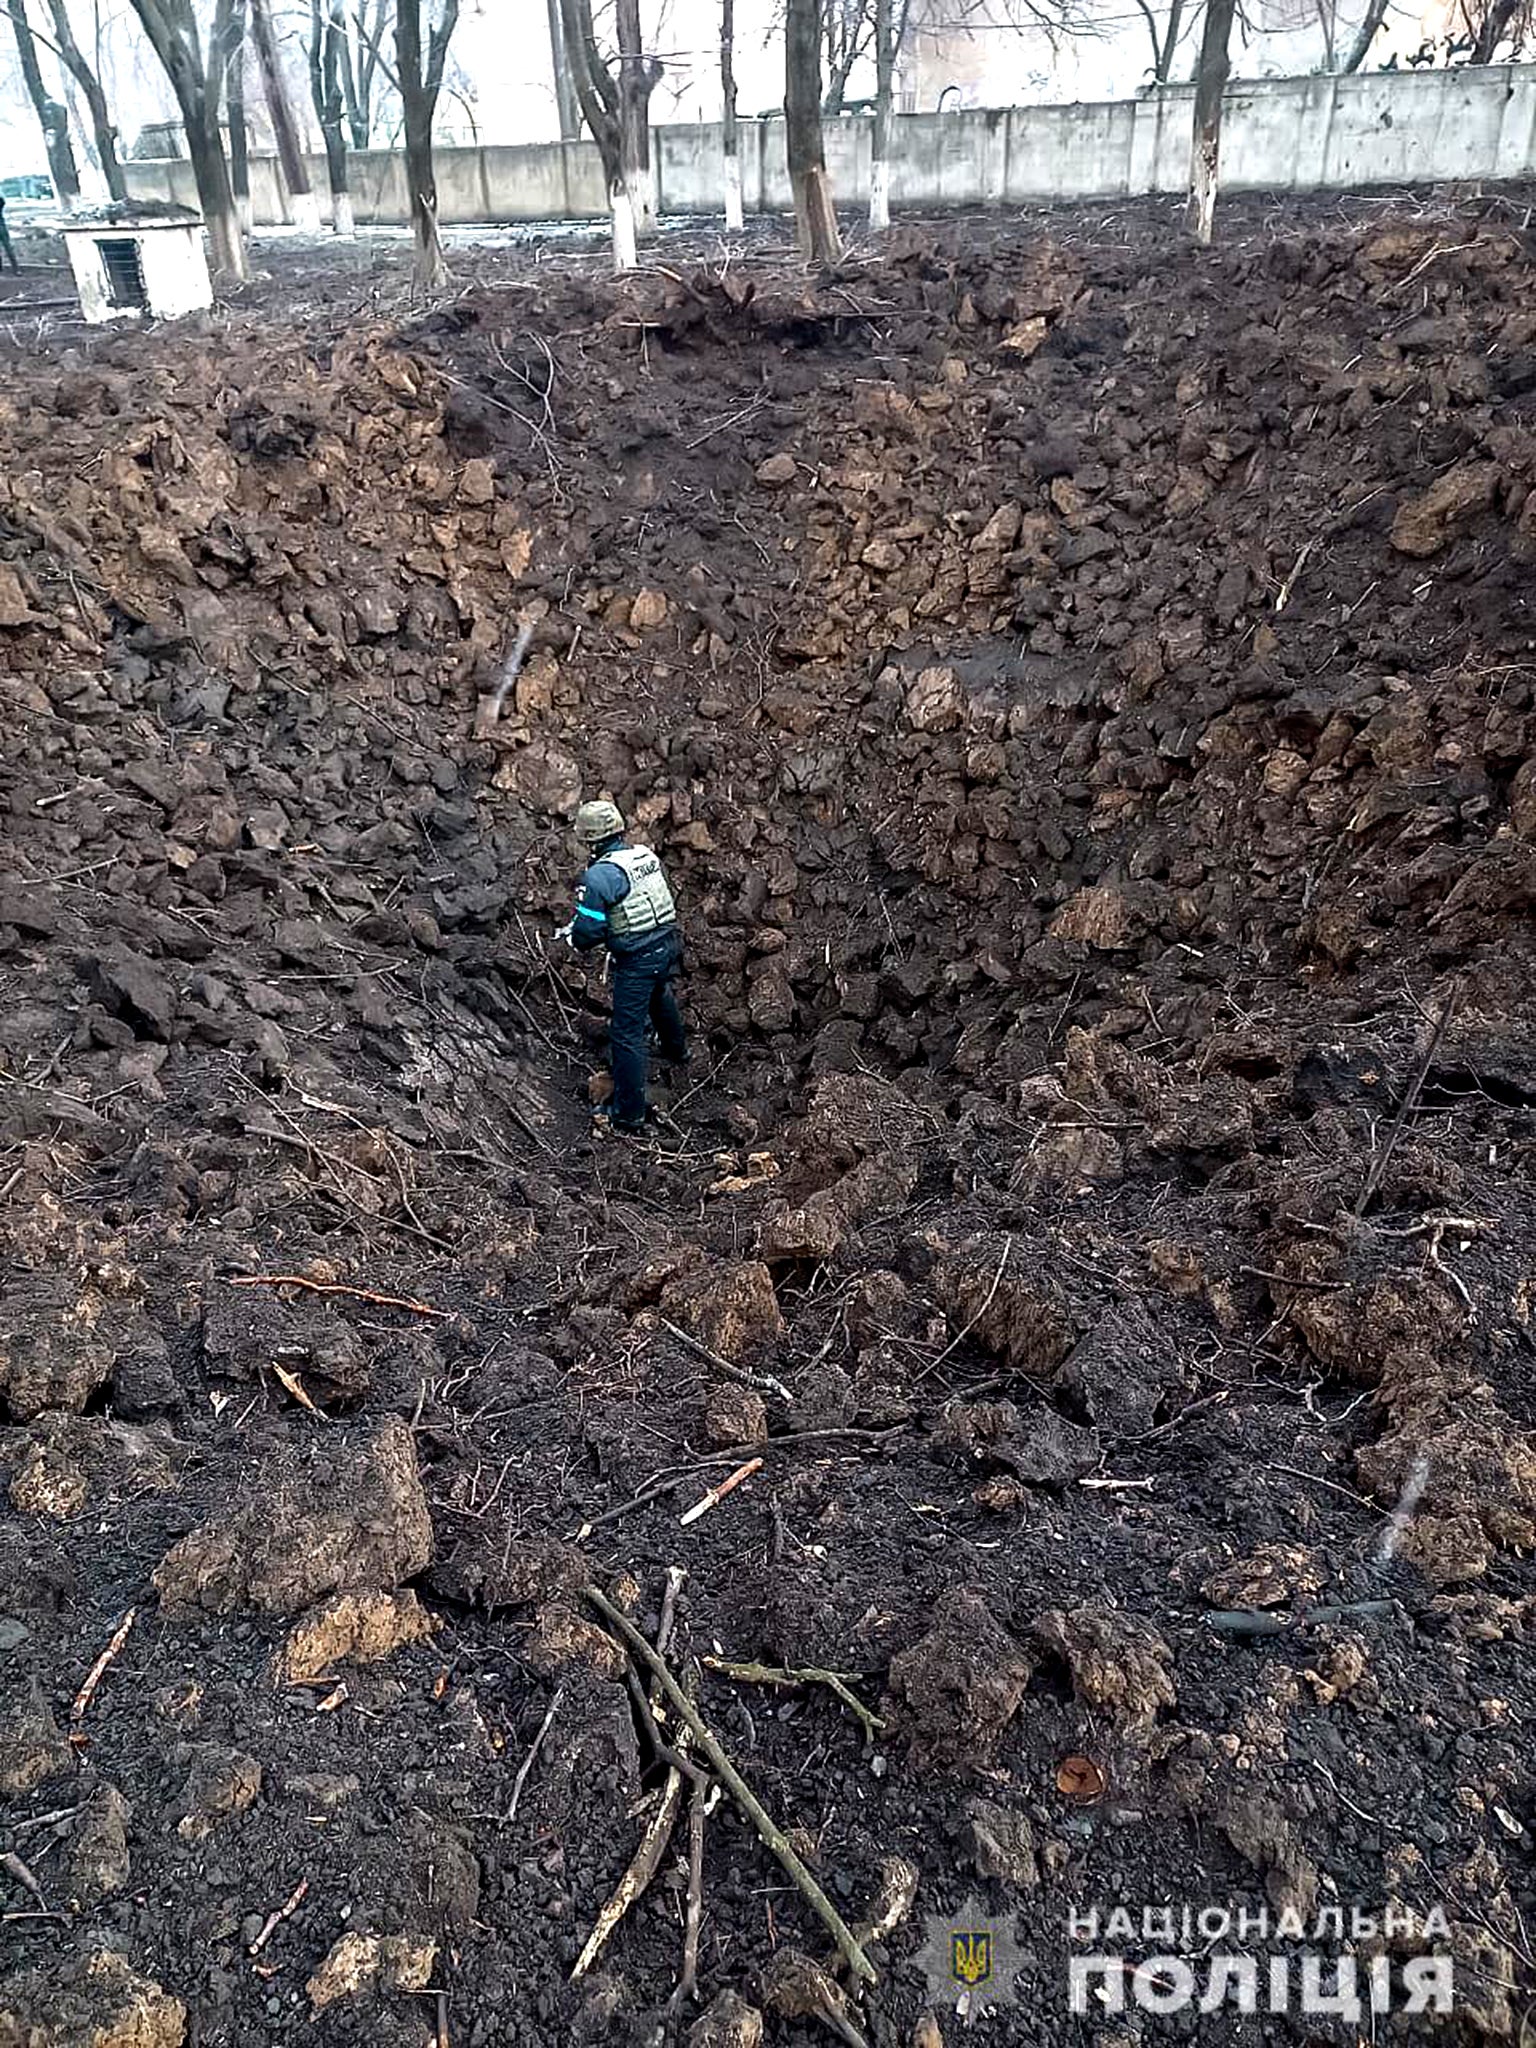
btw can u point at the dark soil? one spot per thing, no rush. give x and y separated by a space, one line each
1085 692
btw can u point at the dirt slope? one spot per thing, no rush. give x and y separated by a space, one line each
1085 693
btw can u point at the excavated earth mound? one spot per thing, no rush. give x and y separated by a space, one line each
1085 691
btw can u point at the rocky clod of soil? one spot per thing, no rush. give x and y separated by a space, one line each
1084 691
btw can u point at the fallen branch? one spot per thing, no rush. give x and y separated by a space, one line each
405 1301
716 1494
294 1386
647 1858
807 1674
533 1749
1296 1280
647 1494
688 1977
764 1382
13 1866
278 1915
1382 1159
771 1836
97 1672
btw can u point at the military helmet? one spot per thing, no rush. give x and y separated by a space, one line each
598 821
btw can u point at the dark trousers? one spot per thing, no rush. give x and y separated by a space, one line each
642 996
7 253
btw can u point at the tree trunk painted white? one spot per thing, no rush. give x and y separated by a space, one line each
624 245
885 88
305 208
1202 193
344 221
645 197
879 195
1205 148
733 215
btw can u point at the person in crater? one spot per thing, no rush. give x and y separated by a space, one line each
625 903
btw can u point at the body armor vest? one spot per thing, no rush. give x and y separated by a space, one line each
648 907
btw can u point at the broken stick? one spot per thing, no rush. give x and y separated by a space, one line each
808 1674
1383 1158
533 1749
764 1382
699 1810
647 1858
769 1834
716 1494
405 1301
278 1915
13 1866
97 1672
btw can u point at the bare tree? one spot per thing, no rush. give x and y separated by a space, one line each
1490 21
327 35
567 106
52 114
848 29
234 121
303 203
638 78
420 78
890 30
730 139
103 127
1165 37
815 215
1359 49
1210 84
617 111
171 27
360 66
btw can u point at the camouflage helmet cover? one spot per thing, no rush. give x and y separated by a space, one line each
597 821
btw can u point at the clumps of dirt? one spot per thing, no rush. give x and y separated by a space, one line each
31 1748
56 1353
220 1784
100 1860
954 1691
1274 1575
1457 1466
729 2022
818 1228
1041 1449
350 1628
95 2000
1355 1330
246 1331
1080 689
352 1517
1000 1844
361 1965
483 1566
1118 1663
732 1310
1021 1321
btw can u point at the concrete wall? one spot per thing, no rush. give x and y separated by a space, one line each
1287 134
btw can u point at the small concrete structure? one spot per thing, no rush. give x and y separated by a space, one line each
130 262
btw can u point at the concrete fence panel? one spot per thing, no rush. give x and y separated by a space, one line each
1288 134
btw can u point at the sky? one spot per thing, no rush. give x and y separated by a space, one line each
501 87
